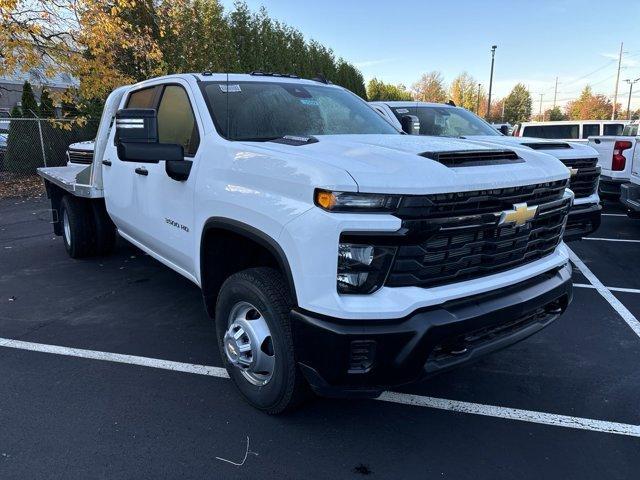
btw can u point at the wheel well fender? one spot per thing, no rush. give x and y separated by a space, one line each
228 246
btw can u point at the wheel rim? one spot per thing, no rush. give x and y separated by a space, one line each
67 227
248 344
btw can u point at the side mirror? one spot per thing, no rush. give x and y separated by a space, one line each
410 124
137 138
504 129
150 152
139 125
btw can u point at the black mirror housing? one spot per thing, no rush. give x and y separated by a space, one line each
138 125
504 129
149 152
410 124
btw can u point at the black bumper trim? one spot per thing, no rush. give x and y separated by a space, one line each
610 186
429 340
630 196
583 220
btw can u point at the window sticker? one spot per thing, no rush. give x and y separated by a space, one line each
230 88
309 101
402 110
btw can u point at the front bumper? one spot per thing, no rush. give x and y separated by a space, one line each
364 357
583 220
610 186
630 196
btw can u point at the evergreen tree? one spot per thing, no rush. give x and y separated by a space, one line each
46 109
377 90
16 112
517 105
29 104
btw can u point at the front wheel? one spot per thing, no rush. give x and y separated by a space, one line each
254 336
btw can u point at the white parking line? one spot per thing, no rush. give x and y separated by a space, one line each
613 289
391 397
623 240
513 414
116 357
617 305
614 214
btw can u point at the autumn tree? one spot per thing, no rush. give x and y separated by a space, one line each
465 93
108 43
517 105
378 90
497 109
590 106
430 88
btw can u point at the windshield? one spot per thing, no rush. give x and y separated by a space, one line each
446 121
267 110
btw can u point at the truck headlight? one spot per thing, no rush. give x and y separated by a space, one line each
355 202
362 268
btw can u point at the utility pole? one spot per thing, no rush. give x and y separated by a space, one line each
493 56
555 93
615 94
478 101
630 82
540 119
504 100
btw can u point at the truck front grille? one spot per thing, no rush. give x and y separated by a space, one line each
464 245
80 156
585 181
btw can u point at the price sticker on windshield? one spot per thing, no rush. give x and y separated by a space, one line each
230 88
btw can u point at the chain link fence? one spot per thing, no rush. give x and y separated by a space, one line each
29 143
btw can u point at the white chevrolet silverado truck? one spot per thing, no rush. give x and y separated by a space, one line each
335 253
441 120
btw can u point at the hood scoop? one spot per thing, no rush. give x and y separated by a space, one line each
295 140
473 158
547 145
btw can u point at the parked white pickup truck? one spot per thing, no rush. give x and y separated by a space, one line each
615 157
440 120
332 250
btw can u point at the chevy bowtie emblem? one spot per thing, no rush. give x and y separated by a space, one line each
572 171
520 214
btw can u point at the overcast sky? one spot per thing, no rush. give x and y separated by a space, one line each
396 41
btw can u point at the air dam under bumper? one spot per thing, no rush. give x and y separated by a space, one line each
583 220
364 357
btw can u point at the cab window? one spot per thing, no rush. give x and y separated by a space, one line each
142 98
570 131
176 121
614 129
590 130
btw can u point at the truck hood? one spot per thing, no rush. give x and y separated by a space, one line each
86 146
392 163
575 150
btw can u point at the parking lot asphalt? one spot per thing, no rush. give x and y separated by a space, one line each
64 416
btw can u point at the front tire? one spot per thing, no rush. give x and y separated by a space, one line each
254 337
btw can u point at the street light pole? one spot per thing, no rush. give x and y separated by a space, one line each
540 117
493 56
478 101
630 82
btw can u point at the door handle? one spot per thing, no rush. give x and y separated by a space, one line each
106 162
142 171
